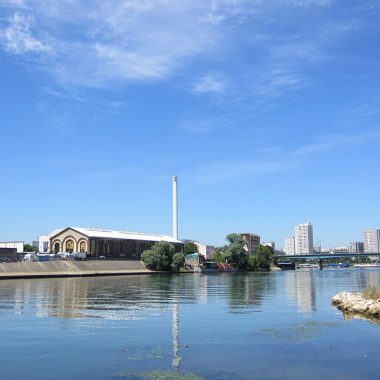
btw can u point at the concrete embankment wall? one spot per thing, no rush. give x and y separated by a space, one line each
71 268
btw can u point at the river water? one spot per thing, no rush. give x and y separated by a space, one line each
276 325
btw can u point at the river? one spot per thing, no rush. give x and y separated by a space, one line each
276 325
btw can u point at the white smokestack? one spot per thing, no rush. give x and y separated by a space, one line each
175 208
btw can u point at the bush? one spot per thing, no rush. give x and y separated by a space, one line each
178 262
252 263
236 254
159 257
263 258
150 259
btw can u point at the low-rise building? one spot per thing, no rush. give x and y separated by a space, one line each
18 245
252 240
356 247
207 251
44 241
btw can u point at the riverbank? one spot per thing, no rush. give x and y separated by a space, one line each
356 305
72 269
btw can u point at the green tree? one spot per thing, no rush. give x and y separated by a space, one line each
30 248
236 238
150 259
190 247
237 255
262 258
178 262
235 252
159 257
251 262
219 254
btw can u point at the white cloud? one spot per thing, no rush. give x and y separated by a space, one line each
332 141
210 84
222 171
275 82
113 41
305 3
17 37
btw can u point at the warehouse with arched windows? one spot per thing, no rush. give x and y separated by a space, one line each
107 243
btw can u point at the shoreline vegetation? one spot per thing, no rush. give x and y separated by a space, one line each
162 255
364 305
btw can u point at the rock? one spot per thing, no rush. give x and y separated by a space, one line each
355 304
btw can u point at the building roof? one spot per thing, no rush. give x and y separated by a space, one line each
109 234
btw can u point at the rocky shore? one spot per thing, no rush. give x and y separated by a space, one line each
356 305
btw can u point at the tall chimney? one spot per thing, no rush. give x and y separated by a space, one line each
175 208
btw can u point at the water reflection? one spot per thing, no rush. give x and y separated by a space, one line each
176 324
247 292
300 284
140 296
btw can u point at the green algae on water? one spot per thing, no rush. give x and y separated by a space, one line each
156 375
307 330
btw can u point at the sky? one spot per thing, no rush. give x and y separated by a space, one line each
267 110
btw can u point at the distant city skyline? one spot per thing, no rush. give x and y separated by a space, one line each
268 112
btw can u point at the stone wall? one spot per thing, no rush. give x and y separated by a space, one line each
71 268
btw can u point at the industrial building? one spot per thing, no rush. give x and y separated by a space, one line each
110 244
106 243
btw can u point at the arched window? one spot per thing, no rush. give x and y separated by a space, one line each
82 246
69 246
56 247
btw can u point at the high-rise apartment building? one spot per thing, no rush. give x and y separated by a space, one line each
356 247
253 242
371 241
304 239
290 246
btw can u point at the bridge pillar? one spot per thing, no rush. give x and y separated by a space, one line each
320 263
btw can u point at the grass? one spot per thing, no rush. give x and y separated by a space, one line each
371 293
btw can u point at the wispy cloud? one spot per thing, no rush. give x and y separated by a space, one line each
275 82
332 141
224 171
114 41
212 84
17 36
117 41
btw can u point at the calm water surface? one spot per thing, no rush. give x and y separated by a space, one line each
219 326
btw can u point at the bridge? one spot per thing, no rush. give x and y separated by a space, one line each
327 255
324 256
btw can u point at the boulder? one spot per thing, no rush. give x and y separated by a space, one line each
355 304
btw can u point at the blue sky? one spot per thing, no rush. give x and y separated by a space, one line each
268 111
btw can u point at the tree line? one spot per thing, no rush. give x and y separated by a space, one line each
162 256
